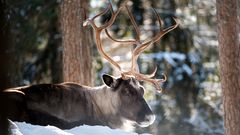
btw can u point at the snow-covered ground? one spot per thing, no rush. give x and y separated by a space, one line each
22 128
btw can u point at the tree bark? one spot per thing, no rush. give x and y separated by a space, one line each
77 63
229 53
6 64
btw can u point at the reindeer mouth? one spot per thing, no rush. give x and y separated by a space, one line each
148 120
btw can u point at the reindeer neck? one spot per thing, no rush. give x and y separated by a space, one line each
105 106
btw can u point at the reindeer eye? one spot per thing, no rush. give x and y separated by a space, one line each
126 92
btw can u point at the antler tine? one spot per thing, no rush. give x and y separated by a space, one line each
91 21
163 32
155 82
147 78
130 41
136 28
158 17
103 12
112 19
114 15
98 30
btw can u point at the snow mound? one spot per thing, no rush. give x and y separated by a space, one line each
22 128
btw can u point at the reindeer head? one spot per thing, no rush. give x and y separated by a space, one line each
131 104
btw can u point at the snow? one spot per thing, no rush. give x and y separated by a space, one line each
170 57
22 128
187 69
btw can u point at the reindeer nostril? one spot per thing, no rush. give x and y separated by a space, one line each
150 118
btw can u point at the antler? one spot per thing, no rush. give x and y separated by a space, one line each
99 29
141 46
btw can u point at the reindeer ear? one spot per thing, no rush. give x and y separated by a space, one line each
109 80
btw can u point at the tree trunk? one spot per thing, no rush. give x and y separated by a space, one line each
6 64
229 52
77 63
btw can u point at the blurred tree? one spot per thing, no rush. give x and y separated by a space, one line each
77 61
229 47
34 28
6 63
9 67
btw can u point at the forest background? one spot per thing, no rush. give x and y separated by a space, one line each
191 102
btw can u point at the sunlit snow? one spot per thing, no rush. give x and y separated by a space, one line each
22 128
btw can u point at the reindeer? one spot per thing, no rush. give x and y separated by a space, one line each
69 104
